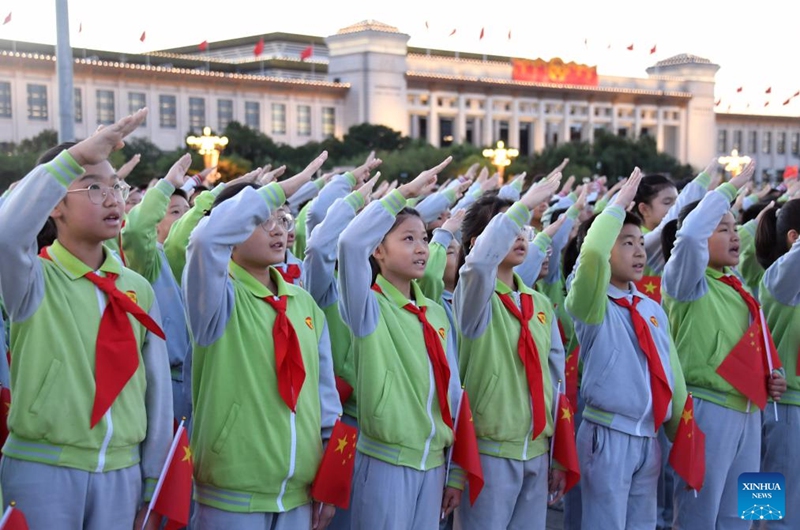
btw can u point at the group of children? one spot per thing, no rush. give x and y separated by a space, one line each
261 311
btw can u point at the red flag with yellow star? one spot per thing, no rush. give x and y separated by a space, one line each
650 286
564 450
571 376
688 454
173 495
744 366
335 474
465 448
13 519
5 403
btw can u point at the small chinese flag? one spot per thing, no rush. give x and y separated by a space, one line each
740 89
13 519
80 27
335 474
688 454
564 450
452 33
650 286
259 48
766 103
787 101
796 94
5 403
768 91
344 389
630 48
7 19
465 448
307 52
717 102
571 377
653 50
144 36
173 496
744 367
483 32
509 34
203 46
789 173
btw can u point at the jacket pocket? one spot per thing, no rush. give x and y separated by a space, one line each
230 421
388 381
47 386
486 395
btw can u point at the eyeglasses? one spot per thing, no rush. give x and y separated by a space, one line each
285 220
98 193
527 233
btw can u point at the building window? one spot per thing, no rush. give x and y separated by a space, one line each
328 121
796 143
224 113
737 140
304 120
766 143
445 132
105 107
722 141
136 101
78 106
167 112
278 118
197 113
37 102
5 99
252 114
752 142
780 147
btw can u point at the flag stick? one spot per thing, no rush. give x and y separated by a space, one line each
450 451
555 416
764 335
163 474
6 515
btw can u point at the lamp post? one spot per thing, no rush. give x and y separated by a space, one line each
500 157
209 146
734 163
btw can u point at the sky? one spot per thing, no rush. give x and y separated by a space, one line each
755 43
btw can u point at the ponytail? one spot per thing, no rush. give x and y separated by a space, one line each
775 224
670 230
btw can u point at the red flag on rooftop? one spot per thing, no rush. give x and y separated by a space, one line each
630 48
426 25
766 103
465 448
452 33
768 91
259 48
307 52
335 474
13 519
653 50
7 19
717 102
143 37
564 450
796 94
688 454
509 34
203 46
173 495
740 89
483 30
80 27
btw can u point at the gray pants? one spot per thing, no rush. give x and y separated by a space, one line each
53 497
666 484
781 454
390 497
619 478
514 495
208 518
733 447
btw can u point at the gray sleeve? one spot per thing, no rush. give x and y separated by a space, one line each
337 188
307 191
24 213
509 192
320 260
557 357
158 400
560 240
684 276
477 278
652 240
329 405
357 304
466 201
454 386
431 206
781 278
207 288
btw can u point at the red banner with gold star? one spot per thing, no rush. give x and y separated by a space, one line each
554 71
335 474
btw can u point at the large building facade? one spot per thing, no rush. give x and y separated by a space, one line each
303 88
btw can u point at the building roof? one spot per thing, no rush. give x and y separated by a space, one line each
683 58
368 25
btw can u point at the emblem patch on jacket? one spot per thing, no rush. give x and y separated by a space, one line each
132 296
654 321
441 333
541 316
309 323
